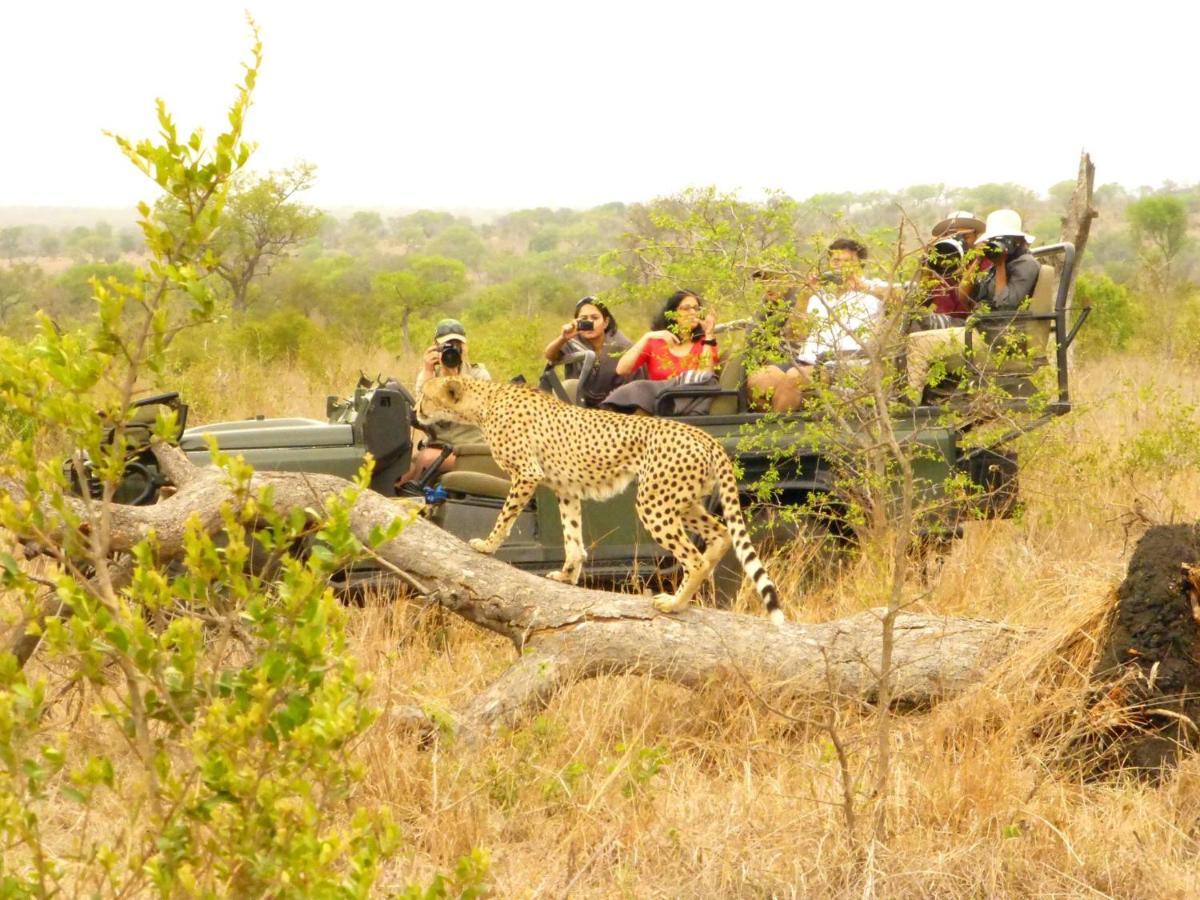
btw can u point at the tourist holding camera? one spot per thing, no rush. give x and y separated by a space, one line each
446 356
594 329
1013 273
995 271
944 264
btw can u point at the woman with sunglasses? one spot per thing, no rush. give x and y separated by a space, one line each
678 350
679 341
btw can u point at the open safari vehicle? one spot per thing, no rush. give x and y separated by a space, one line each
467 500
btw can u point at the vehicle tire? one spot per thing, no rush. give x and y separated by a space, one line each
995 472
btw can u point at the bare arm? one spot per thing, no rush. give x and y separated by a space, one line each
632 358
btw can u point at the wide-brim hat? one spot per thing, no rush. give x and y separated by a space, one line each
449 330
960 219
1004 223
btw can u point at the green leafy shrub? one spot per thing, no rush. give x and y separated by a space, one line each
223 706
1116 315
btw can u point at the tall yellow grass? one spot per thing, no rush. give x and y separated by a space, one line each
629 788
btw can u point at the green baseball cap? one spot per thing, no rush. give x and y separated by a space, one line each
449 330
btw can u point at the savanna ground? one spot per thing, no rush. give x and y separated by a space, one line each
626 787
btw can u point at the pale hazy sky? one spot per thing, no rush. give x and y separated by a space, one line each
516 104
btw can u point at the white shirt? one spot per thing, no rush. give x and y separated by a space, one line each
838 323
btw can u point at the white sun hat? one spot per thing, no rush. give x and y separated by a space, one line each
958 219
1004 223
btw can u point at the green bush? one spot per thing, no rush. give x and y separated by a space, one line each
223 706
1116 314
283 336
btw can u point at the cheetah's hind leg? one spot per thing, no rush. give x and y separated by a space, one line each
668 530
716 536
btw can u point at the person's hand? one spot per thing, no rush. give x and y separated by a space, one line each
432 357
569 330
709 323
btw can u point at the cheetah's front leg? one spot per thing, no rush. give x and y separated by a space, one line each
518 496
571 511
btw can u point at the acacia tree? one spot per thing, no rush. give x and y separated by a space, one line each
887 480
19 284
263 223
10 242
1159 224
424 283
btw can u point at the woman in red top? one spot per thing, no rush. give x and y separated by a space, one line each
678 342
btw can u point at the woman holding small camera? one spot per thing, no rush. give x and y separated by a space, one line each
594 329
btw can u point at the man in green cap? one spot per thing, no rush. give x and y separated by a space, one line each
446 356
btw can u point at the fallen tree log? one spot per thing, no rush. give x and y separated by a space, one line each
1138 708
563 633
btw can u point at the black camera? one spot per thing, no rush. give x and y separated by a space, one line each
451 356
584 324
994 248
832 278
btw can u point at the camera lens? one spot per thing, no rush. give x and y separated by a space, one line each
583 325
946 255
451 356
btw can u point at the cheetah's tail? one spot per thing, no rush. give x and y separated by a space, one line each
732 513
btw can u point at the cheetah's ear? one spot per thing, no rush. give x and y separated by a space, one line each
455 389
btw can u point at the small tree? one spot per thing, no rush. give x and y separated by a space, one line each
1159 224
10 241
264 223
20 284
223 697
425 283
886 480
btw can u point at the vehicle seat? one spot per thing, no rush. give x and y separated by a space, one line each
732 378
476 457
1036 331
478 483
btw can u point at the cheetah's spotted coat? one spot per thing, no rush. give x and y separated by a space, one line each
589 454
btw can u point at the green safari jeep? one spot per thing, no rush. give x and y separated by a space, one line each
378 419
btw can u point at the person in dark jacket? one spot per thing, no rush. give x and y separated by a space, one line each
1000 277
1013 275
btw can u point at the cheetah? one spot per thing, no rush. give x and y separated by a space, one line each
592 454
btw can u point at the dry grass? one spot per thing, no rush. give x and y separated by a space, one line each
624 787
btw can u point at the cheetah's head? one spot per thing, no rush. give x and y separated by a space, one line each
449 400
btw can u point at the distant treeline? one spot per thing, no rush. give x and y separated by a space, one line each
299 275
